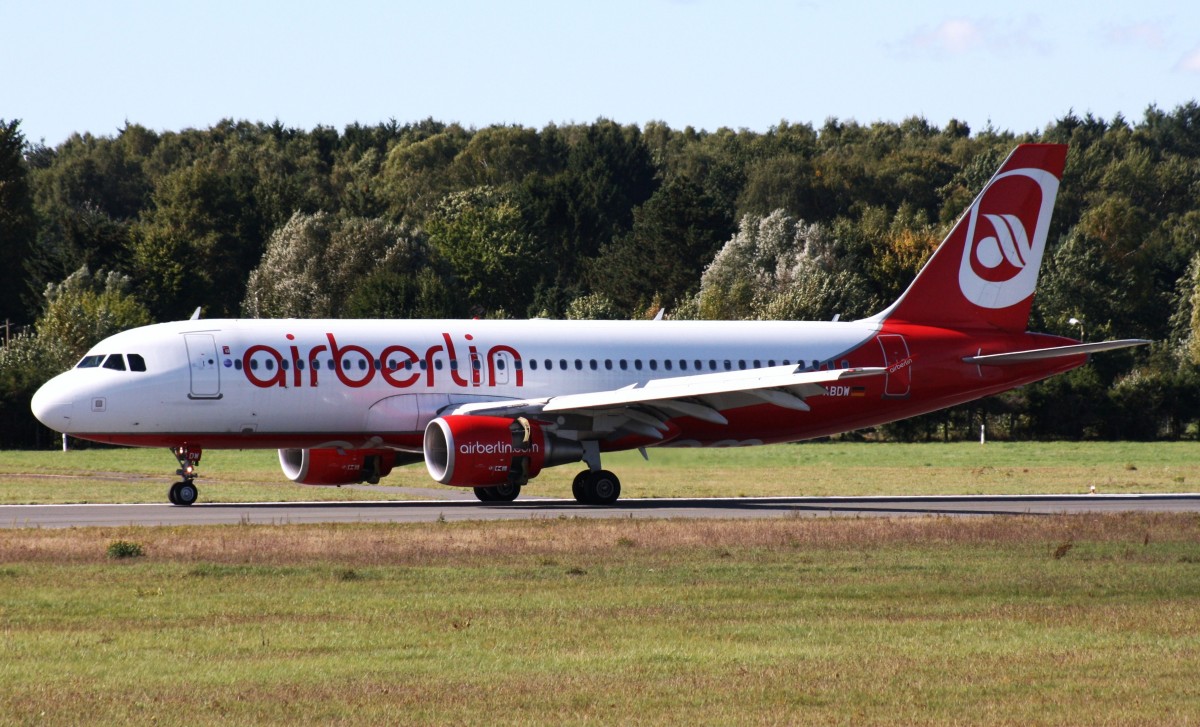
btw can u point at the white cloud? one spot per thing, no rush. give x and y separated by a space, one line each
960 36
956 36
1150 35
1191 62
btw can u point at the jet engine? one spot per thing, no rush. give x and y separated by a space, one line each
336 466
482 451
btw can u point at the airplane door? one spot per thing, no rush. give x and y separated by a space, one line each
899 365
500 364
205 371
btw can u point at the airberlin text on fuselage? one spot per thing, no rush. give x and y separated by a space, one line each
399 366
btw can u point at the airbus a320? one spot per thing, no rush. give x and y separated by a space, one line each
488 404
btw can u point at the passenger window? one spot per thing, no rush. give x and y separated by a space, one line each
237 364
532 364
608 364
637 364
667 364
654 364
712 365
728 365
624 365
592 364
89 362
115 361
283 364
578 365
549 365
254 364
437 364
562 364
742 365
270 363
136 362
299 365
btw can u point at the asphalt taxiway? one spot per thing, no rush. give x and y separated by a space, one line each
62 516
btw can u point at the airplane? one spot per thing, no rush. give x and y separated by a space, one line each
488 404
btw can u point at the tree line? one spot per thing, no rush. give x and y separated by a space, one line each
601 220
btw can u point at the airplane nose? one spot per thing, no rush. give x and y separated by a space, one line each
53 406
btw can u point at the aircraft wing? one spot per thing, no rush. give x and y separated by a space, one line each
644 409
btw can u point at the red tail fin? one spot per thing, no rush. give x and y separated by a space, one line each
984 272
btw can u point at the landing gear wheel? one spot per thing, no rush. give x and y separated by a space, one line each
506 492
500 493
579 486
604 488
183 493
596 488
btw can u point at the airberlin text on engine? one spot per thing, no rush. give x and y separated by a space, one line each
398 365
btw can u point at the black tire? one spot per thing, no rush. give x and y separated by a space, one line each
485 494
171 494
506 492
604 488
579 487
185 493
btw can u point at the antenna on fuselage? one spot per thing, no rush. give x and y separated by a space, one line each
195 314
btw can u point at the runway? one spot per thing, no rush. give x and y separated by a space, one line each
266 513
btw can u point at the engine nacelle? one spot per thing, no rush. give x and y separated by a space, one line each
481 451
334 467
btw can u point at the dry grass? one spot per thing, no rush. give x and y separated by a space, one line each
438 544
790 621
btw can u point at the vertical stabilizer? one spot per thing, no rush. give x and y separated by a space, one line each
984 273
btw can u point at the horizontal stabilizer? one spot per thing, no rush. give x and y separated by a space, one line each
1041 354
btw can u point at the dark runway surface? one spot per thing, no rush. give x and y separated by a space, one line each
58 516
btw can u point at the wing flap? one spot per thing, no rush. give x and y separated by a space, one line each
809 383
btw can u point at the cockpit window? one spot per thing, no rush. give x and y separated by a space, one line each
115 361
90 362
136 362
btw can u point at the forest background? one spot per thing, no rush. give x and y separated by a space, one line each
602 220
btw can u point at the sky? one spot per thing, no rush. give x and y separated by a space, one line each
74 66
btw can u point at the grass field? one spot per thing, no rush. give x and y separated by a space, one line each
1068 620
839 468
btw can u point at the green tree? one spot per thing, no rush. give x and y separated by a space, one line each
675 235
316 263
482 235
194 245
16 221
80 311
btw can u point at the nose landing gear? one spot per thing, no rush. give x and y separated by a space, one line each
185 492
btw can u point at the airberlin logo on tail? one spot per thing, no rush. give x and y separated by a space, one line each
1001 258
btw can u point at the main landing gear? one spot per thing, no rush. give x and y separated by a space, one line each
501 493
596 487
184 492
